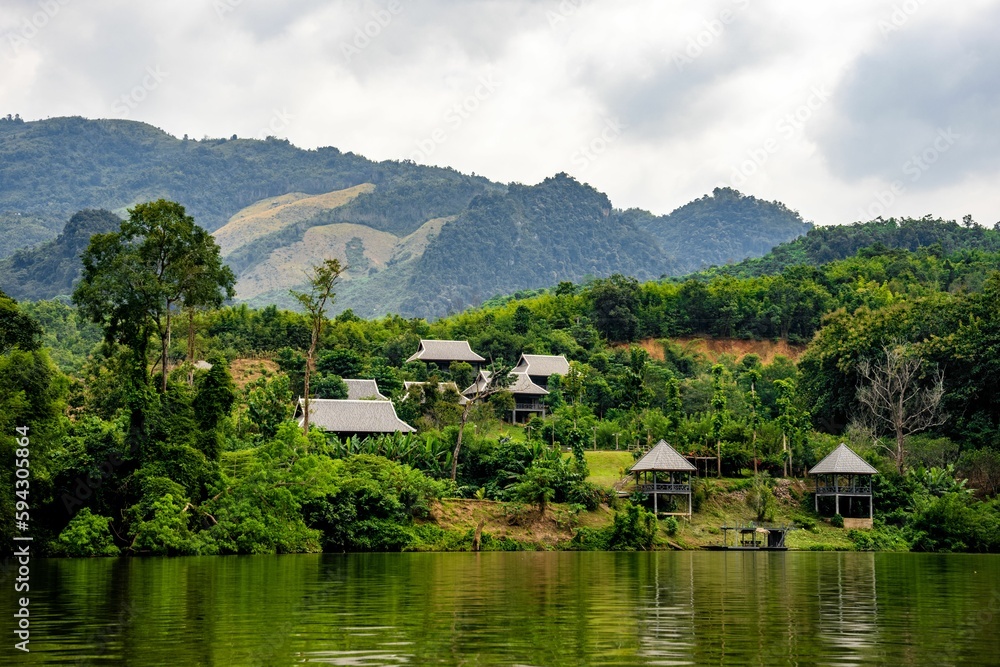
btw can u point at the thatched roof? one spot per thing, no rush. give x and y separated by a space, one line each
662 457
347 416
545 365
445 350
359 389
522 385
843 461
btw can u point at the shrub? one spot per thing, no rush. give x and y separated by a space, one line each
837 521
671 525
87 535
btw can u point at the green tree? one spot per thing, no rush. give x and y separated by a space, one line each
315 301
719 414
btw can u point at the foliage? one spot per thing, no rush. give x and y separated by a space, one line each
760 498
837 521
87 535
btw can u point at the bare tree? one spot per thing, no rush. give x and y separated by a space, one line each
315 301
487 384
898 399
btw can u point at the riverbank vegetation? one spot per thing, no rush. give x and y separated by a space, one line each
206 459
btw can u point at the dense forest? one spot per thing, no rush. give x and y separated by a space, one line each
125 459
418 241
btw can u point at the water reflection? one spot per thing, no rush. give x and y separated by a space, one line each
847 598
517 609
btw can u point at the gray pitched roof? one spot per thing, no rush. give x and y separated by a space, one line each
445 350
359 389
522 384
542 364
662 457
347 416
843 461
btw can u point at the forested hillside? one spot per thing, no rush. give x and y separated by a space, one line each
209 461
53 267
826 244
420 241
721 228
53 168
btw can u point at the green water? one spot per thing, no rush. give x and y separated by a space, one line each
517 609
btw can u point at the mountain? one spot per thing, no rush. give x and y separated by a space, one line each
822 245
721 228
419 241
52 268
113 164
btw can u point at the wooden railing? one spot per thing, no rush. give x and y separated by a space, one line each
856 488
528 406
661 487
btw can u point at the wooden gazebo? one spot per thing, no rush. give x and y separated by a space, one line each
844 474
661 459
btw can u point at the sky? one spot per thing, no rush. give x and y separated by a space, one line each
844 111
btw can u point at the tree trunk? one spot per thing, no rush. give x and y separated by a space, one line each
190 346
458 441
305 380
784 454
718 457
165 345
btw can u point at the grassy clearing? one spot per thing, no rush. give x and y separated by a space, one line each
606 468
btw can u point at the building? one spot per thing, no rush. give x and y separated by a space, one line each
662 460
847 479
358 390
346 418
540 367
527 395
443 352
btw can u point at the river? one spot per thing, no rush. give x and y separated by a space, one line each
548 608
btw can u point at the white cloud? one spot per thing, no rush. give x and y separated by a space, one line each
383 80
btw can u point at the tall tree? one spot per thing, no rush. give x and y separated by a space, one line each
134 279
320 295
897 400
719 413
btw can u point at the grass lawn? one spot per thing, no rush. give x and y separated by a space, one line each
606 467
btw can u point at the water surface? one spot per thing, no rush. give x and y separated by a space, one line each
664 608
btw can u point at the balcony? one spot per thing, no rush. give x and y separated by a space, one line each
663 487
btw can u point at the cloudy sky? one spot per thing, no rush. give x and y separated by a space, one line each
843 110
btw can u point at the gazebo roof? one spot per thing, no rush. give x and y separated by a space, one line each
662 457
843 461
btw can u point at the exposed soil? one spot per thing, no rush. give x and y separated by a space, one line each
713 348
245 371
527 525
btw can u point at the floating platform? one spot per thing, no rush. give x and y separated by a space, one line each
752 537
